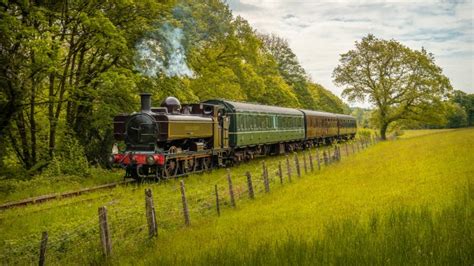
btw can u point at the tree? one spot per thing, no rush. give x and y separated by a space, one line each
60 63
310 95
466 101
455 115
401 83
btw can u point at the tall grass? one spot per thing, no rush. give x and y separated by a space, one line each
17 189
402 236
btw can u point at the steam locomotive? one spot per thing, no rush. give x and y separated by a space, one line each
175 140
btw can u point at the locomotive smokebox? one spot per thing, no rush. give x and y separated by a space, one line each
146 102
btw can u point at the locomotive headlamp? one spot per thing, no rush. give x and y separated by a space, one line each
150 160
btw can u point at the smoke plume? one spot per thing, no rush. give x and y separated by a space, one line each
162 52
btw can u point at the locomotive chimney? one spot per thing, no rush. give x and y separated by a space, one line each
146 102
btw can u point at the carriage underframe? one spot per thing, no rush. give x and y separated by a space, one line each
186 163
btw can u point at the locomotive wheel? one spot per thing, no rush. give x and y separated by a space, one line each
170 169
207 163
188 166
176 168
195 164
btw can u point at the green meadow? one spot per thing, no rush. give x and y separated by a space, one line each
406 201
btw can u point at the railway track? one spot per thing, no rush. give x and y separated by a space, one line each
44 198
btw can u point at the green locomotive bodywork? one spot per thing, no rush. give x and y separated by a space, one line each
252 124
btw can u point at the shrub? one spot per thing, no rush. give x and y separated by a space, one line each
70 159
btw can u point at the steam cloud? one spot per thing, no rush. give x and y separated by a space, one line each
162 51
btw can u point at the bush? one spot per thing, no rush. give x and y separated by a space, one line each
365 132
70 159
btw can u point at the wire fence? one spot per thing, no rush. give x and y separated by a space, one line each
128 220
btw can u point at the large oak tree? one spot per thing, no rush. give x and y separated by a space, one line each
400 82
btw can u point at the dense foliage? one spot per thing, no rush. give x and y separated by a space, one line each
454 112
67 67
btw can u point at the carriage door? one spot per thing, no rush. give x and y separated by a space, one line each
225 121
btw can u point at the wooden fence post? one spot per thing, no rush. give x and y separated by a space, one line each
249 184
150 213
217 201
297 165
311 161
263 169
104 231
347 150
304 163
280 172
187 222
43 244
266 182
325 157
288 167
231 189
318 159
268 179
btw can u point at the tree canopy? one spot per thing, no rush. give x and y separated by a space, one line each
67 67
400 82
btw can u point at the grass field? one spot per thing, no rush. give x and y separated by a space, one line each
13 190
407 201
410 133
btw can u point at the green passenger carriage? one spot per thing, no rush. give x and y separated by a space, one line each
252 124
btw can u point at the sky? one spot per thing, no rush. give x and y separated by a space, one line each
319 31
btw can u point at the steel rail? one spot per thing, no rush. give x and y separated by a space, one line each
68 194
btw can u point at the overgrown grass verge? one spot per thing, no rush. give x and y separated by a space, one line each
401 236
14 189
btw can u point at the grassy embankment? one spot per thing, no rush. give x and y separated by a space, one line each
405 201
18 189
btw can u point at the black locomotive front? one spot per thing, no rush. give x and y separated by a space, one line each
155 134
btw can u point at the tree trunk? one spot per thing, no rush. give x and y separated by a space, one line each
21 125
52 125
33 122
383 131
